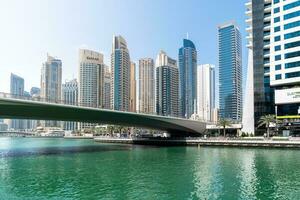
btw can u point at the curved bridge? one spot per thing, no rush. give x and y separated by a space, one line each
28 109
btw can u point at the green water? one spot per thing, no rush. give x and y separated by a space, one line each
82 169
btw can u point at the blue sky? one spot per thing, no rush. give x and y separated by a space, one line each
31 28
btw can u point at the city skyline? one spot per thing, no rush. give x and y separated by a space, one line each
65 47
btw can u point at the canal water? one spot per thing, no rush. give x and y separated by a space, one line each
37 168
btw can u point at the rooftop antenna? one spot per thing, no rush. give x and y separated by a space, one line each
187 35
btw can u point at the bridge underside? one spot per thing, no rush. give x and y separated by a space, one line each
24 109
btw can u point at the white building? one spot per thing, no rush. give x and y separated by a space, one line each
206 92
107 85
90 81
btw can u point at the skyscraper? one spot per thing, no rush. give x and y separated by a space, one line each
107 90
132 87
167 84
120 73
146 86
206 92
70 97
187 78
90 81
51 79
273 67
230 72
17 89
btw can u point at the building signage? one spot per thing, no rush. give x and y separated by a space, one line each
286 96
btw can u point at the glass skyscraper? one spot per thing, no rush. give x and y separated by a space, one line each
187 78
120 72
230 72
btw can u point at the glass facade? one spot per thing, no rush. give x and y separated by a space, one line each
188 74
230 72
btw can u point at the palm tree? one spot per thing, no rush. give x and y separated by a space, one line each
223 123
266 120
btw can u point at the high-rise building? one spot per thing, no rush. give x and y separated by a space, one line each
187 59
107 90
167 86
273 61
51 79
70 97
132 87
17 90
120 74
146 86
230 72
90 81
206 92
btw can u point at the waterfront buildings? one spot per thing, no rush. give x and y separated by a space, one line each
146 86
230 71
132 87
167 86
187 59
274 64
206 93
107 89
90 81
17 90
120 74
70 97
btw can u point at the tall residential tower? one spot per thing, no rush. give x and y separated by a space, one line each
120 74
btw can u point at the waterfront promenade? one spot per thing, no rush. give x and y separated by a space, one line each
294 143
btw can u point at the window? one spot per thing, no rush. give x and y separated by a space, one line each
292 65
292 75
277 38
276 19
291 5
277 28
276 1
292 45
278 57
276 10
278 67
291 15
267 69
291 25
277 48
292 54
277 76
292 35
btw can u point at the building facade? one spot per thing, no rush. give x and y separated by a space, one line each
90 81
206 93
230 72
70 97
107 89
17 90
146 86
120 74
167 86
274 64
132 87
187 58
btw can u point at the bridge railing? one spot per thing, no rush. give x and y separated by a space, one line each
57 101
